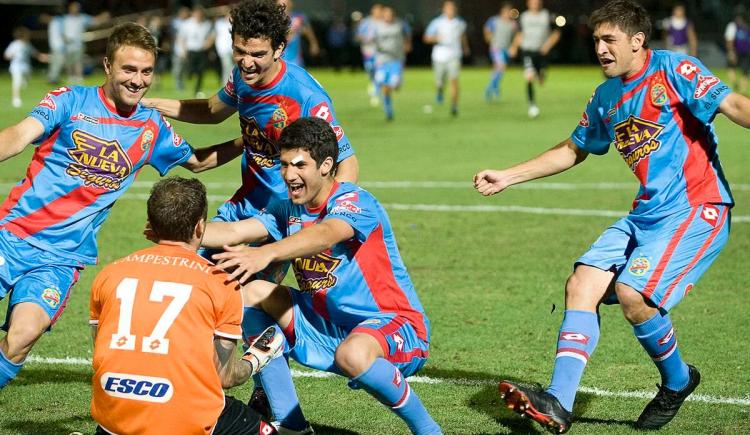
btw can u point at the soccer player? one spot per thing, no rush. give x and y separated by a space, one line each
535 40
656 109
679 32
198 37
356 312
392 42
74 24
90 144
737 37
448 35
300 26
498 33
269 93
365 37
166 323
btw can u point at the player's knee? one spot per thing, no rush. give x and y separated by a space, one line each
580 293
351 359
635 307
21 338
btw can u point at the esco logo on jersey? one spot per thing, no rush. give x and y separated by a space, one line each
136 387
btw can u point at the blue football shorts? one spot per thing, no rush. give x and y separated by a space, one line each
389 74
499 56
313 340
31 274
662 259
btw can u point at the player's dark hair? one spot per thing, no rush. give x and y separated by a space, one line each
175 207
130 34
260 19
628 15
313 135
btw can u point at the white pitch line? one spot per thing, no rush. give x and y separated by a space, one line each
534 185
701 398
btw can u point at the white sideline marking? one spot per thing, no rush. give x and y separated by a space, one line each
702 398
534 185
475 208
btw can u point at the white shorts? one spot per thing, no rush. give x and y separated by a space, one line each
449 68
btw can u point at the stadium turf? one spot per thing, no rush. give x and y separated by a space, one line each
490 271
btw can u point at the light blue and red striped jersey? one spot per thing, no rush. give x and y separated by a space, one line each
660 121
360 278
84 161
264 112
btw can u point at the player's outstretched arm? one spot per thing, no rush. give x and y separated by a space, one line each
214 156
557 159
219 234
737 108
348 170
15 138
244 261
199 111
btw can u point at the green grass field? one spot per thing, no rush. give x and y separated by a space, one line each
489 274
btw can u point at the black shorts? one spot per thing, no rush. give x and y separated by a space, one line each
236 419
534 60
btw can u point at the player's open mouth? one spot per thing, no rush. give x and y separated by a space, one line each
133 89
295 188
606 62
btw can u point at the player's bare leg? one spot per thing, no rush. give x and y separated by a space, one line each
27 323
454 96
579 334
654 331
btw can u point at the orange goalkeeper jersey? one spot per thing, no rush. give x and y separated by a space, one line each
157 312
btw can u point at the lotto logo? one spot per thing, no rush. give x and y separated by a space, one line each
584 122
664 340
710 214
266 429
322 111
574 336
135 387
687 69
399 340
397 378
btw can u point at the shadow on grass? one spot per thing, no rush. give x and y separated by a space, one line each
38 374
329 430
29 426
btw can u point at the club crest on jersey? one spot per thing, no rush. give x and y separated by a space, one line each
639 266
147 139
658 94
705 83
315 273
257 144
98 162
279 118
687 69
635 139
51 297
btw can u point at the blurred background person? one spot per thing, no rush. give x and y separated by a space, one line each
198 36
337 39
498 33
365 38
535 40
56 43
74 24
679 33
447 33
392 43
179 52
19 53
300 28
737 37
223 44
